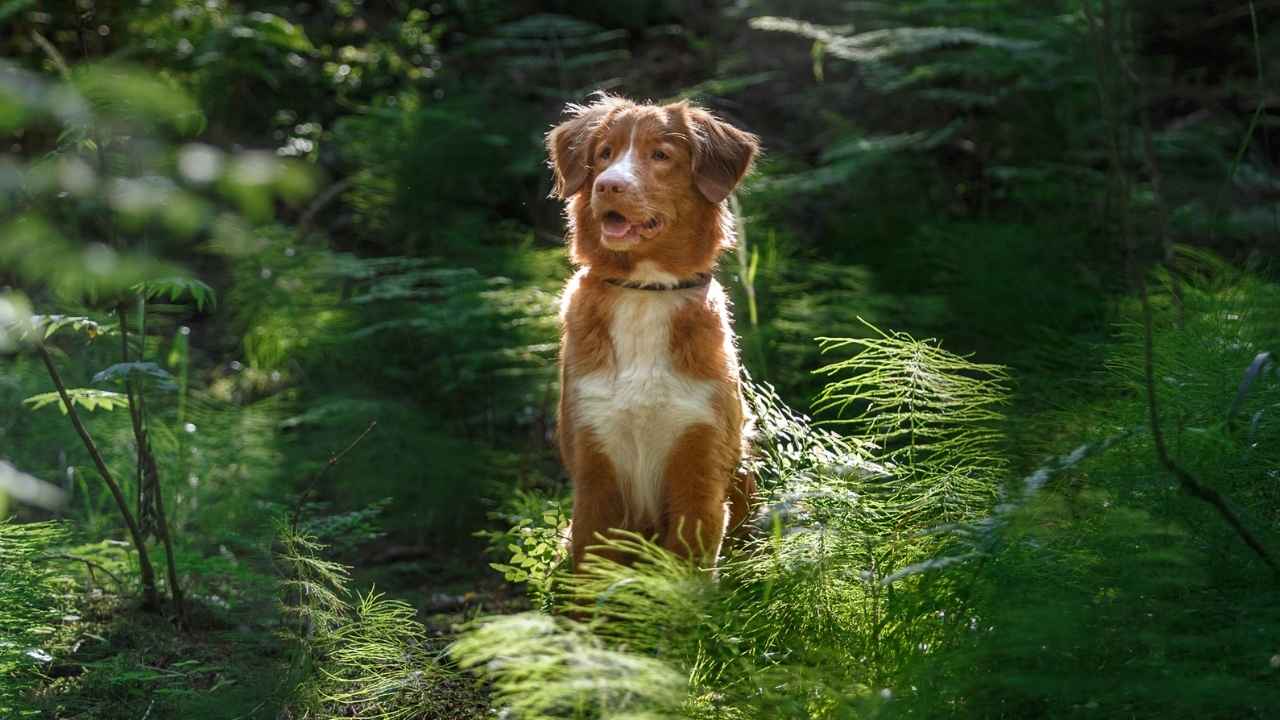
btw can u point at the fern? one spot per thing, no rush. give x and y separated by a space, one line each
88 398
801 621
1107 587
879 45
545 667
933 413
357 655
178 287
31 600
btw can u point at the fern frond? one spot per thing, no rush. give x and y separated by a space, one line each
545 667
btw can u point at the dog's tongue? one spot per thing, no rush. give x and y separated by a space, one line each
615 225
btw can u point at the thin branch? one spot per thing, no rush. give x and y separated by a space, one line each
1188 481
323 199
1157 184
150 598
134 419
1099 28
91 565
333 460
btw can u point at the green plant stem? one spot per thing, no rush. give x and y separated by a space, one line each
150 598
171 568
745 269
148 472
59 63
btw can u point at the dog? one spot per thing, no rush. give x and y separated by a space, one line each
652 425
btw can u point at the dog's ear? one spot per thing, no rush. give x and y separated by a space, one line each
722 154
571 143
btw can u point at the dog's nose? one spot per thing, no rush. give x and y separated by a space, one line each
606 184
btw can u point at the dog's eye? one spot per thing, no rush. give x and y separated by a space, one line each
605 153
659 155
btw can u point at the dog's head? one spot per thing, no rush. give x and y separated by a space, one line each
647 182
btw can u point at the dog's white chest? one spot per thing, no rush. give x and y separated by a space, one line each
641 407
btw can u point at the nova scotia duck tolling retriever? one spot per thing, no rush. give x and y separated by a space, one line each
652 425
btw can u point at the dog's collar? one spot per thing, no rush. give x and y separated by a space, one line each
699 280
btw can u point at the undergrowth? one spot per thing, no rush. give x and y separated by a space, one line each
32 602
354 654
908 572
810 599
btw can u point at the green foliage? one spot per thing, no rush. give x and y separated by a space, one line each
31 602
342 532
963 171
356 655
932 413
814 598
115 169
495 338
39 253
452 362
90 327
125 373
534 543
554 668
1111 590
1088 587
177 288
88 398
113 661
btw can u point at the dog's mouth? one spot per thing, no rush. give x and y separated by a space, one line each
620 229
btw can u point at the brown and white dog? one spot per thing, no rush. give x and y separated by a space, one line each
652 425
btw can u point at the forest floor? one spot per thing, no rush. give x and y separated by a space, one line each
450 587
231 660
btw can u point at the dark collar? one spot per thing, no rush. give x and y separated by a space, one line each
699 280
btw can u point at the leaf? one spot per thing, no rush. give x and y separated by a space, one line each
133 94
176 287
511 574
39 253
275 30
120 372
887 43
90 327
89 398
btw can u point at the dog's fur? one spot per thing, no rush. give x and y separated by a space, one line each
652 425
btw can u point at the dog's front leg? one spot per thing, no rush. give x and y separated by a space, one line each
598 505
695 490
